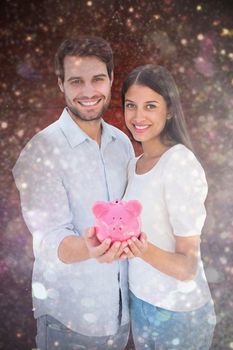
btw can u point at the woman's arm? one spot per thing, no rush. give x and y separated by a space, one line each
185 190
182 264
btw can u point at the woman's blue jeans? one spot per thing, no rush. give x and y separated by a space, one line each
155 328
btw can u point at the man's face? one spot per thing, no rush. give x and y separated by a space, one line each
86 86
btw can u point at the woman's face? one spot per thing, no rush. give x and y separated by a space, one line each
145 113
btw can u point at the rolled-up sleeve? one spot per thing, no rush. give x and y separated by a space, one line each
44 201
185 193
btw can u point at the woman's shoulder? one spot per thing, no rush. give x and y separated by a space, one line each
180 149
179 154
182 159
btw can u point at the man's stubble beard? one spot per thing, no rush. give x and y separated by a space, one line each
77 114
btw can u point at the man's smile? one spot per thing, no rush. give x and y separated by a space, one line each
89 103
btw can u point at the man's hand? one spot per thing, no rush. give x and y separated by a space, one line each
136 247
104 252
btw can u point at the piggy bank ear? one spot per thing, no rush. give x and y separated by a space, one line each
134 207
99 208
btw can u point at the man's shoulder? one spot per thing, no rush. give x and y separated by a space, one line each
49 136
43 142
48 133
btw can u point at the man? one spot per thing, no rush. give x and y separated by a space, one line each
79 285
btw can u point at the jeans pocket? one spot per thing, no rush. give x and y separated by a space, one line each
59 336
53 324
156 315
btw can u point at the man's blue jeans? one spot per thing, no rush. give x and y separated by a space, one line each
155 328
53 335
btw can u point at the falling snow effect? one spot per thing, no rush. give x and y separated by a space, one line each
194 41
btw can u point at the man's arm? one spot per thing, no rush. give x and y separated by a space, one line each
45 204
46 211
73 249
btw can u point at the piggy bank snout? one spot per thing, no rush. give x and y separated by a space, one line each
117 224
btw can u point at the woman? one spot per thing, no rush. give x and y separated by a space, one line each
170 302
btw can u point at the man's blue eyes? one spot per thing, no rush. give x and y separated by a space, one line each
98 79
78 82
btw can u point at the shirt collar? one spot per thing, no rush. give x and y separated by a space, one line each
75 135
108 134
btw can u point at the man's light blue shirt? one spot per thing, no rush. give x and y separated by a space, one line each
60 174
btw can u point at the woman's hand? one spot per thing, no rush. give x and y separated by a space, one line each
136 247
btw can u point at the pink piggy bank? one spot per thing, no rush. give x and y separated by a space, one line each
118 220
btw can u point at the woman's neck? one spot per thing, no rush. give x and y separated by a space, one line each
153 150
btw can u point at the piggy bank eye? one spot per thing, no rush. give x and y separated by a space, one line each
113 217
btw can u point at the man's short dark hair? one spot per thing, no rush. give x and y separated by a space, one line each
84 46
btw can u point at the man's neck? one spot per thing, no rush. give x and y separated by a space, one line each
92 128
